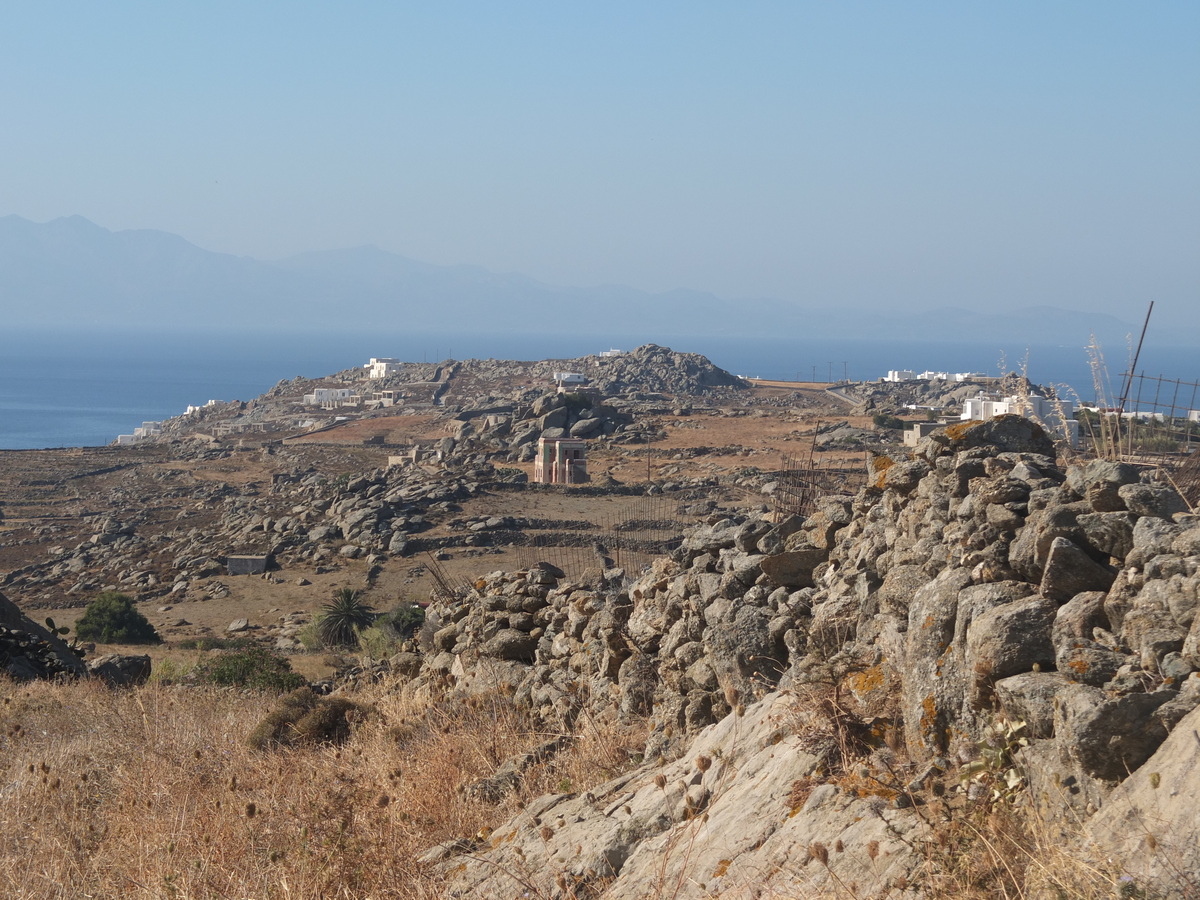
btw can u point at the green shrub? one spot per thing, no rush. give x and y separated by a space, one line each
113 619
883 420
383 638
254 667
170 671
377 642
576 401
309 635
304 718
343 617
404 621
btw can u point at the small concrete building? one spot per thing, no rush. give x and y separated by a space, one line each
560 461
913 435
246 565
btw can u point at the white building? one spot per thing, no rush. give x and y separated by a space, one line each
330 397
382 367
569 379
143 431
1055 415
898 375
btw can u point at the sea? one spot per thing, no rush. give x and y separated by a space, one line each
72 388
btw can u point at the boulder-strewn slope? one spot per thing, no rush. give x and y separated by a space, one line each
823 690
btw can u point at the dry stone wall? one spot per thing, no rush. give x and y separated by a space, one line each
976 581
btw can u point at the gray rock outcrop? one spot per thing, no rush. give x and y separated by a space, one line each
979 584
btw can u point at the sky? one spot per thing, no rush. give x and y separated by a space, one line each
881 154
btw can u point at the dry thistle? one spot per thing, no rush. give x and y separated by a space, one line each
819 852
660 781
873 849
703 763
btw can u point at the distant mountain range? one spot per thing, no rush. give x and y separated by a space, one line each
71 270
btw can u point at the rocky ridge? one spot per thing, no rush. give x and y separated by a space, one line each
496 396
815 684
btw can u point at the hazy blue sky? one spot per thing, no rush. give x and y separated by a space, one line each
919 153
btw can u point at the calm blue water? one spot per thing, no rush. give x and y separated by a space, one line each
70 389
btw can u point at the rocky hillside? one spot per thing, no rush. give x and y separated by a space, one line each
504 391
977 631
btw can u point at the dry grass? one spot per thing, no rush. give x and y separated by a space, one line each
155 793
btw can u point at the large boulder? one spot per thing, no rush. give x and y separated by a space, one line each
119 670
1008 640
1010 434
28 650
1069 571
1148 825
1108 737
793 569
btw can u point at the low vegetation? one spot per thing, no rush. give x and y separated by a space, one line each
112 618
160 792
252 667
343 617
302 717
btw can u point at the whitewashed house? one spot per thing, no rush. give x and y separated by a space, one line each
1055 415
327 398
382 367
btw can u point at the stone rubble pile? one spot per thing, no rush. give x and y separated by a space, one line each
975 581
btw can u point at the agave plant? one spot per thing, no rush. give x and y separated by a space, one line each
342 617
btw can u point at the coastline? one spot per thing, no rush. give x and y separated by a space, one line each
70 389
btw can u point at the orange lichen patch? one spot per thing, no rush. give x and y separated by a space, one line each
959 430
928 715
880 466
1078 666
799 793
865 786
867 681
